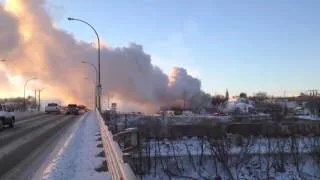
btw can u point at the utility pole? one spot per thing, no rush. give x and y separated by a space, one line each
39 98
35 98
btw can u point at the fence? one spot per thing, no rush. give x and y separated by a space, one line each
116 166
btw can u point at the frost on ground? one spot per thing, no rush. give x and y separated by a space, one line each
77 159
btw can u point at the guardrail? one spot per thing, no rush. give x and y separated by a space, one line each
116 166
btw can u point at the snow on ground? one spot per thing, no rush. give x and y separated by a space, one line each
192 146
307 117
77 158
181 159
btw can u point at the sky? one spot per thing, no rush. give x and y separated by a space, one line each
245 46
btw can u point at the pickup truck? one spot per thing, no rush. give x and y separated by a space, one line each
7 116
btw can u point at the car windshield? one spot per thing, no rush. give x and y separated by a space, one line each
52 104
72 105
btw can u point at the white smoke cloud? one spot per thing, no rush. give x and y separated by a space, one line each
9 36
54 56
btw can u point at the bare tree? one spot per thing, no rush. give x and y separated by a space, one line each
245 153
280 152
221 149
295 151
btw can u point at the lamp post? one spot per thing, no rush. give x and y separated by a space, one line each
39 95
96 83
24 92
98 97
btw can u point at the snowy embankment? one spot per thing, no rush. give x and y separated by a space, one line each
308 117
76 155
196 146
261 158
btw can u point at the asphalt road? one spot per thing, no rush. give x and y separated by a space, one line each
24 147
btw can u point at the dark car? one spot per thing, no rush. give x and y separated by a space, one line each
72 109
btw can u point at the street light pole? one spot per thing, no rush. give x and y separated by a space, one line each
99 72
96 71
39 96
24 92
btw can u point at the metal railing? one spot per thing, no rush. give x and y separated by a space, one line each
118 169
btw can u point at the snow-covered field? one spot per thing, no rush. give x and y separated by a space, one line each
76 158
281 159
195 146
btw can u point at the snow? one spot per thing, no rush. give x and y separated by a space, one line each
76 158
308 117
192 146
180 159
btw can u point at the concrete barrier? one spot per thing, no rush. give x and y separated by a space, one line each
114 157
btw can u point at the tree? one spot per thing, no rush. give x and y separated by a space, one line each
314 107
243 95
261 95
218 101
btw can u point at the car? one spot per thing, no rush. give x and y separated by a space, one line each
7 116
52 108
72 109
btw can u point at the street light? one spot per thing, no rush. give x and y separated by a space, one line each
96 83
99 74
93 66
87 78
24 92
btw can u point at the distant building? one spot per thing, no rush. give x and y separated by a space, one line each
114 107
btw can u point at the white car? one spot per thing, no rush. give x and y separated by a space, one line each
52 108
7 116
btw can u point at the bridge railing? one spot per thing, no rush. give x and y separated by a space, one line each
118 169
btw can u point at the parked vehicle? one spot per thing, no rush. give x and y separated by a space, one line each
52 108
7 116
72 109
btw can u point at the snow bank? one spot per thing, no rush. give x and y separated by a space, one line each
77 156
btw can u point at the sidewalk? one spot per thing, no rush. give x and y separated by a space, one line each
76 158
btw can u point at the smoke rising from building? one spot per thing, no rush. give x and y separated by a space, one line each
35 47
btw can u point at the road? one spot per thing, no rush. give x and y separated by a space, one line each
24 148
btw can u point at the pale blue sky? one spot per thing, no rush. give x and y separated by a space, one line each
246 45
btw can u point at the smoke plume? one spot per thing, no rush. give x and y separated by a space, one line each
35 47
